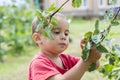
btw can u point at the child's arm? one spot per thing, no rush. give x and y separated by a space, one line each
79 69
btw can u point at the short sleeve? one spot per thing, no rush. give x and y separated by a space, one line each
73 59
69 60
41 70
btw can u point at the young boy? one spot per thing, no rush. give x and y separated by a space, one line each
51 63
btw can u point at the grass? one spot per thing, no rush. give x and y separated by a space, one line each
16 68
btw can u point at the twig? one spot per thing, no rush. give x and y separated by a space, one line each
116 14
58 9
50 17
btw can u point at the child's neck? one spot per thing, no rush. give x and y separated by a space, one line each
51 55
55 58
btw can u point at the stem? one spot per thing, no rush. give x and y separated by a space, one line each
116 14
50 17
58 9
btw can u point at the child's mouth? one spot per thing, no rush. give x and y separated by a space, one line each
62 44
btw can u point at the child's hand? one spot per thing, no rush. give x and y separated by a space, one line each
97 64
94 53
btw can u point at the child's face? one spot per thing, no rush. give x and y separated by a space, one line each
61 38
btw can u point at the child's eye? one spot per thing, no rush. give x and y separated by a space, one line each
56 32
66 34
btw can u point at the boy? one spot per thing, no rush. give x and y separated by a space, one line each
51 63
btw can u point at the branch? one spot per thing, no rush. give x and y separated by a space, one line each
50 16
116 14
114 18
58 9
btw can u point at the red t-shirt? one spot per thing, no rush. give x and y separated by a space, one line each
42 67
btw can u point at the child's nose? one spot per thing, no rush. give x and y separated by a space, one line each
63 37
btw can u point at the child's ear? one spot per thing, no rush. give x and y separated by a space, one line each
36 37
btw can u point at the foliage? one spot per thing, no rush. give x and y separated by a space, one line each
96 37
76 3
15 22
111 69
46 21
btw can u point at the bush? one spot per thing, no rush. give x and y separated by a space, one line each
15 29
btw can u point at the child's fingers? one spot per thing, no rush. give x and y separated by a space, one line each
97 64
82 43
96 54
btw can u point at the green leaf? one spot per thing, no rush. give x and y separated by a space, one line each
47 32
39 14
108 68
51 8
85 54
97 24
92 67
85 51
44 32
51 27
88 45
54 21
45 14
50 35
115 23
39 26
45 22
76 3
87 35
96 38
102 70
116 69
96 31
102 49
112 1
111 60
